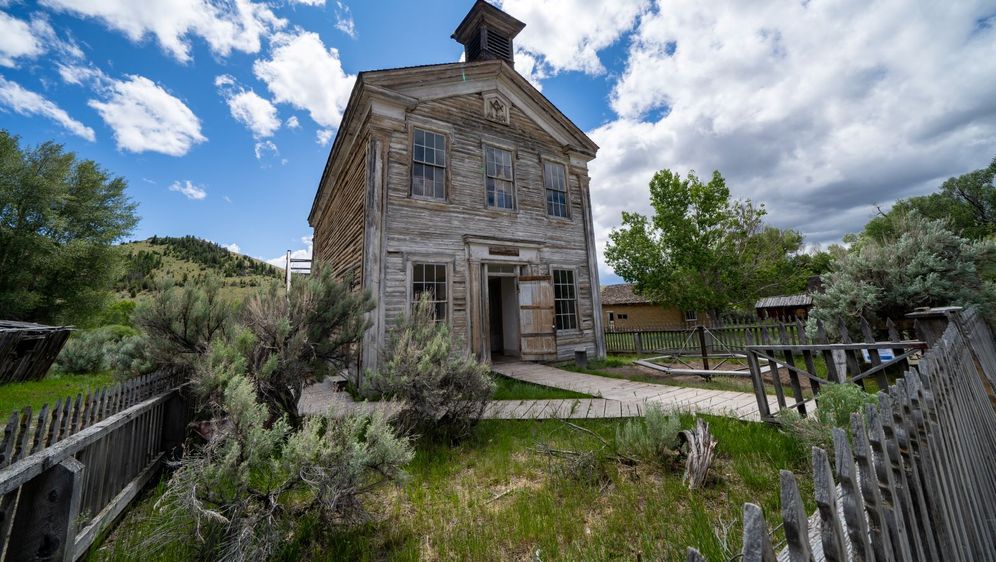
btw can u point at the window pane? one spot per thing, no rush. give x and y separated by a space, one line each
499 187
430 279
428 167
565 300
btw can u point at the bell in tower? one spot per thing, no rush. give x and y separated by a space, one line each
486 33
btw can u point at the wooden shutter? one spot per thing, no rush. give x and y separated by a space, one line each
536 318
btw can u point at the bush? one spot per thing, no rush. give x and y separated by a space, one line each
652 438
444 389
243 495
836 404
130 357
88 351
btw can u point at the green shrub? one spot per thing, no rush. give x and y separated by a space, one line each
443 389
130 357
652 438
836 403
88 351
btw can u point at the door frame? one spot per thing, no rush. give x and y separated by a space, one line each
485 320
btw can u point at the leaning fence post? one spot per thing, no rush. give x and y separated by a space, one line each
831 533
45 519
757 545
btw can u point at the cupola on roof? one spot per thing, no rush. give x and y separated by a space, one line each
486 33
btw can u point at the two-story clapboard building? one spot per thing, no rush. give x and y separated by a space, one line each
463 181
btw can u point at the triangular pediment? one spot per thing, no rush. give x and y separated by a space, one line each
495 80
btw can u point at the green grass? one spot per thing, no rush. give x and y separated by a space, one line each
494 497
511 389
54 386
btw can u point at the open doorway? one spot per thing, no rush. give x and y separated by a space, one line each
503 316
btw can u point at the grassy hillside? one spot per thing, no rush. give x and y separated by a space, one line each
188 260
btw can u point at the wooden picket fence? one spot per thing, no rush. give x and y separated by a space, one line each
28 350
916 480
847 360
725 338
71 470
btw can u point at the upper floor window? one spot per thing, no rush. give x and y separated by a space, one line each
565 300
498 169
429 165
555 181
691 316
430 278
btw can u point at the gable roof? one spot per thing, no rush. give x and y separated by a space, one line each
784 301
408 86
623 293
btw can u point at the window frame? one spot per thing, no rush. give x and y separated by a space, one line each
694 315
448 282
514 191
412 162
544 162
576 298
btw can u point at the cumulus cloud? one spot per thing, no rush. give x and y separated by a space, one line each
292 122
226 26
558 47
263 148
302 72
188 190
249 108
145 117
233 247
18 39
324 136
817 110
26 102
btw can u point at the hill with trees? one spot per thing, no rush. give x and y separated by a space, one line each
187 260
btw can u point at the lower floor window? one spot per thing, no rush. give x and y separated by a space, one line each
565 300
430 279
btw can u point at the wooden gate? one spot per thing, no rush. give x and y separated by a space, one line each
536 318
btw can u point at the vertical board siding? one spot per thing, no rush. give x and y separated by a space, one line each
338 232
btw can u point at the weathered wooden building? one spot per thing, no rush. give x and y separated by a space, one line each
624 309
463 181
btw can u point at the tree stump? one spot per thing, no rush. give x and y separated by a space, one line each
701 446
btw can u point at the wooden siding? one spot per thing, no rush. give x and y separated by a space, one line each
433 231
339 227
648 316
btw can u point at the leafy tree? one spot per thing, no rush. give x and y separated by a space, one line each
59 217
702 250
967 203
914 262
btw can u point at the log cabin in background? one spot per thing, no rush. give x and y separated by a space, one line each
461 180
624 309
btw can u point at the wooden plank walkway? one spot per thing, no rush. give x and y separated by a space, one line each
613 398
625 395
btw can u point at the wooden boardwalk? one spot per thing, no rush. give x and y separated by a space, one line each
630 397
612 398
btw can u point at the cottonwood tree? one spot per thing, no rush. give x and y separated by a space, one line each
967 204
59 217
701 249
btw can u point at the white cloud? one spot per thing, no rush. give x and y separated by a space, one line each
233 247
188 190
249 108
292 122
308 2
18 39
303 73
817 110
344 19
567 34
145 117
82 75
225 26
265 147
26 102
302 253
324 136
226 198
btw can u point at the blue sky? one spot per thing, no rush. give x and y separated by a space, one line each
818 109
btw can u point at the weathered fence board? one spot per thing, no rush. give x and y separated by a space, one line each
27 351
80 462
725 338
916 477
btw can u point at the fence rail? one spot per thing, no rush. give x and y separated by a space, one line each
732 337
916 480
67 473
